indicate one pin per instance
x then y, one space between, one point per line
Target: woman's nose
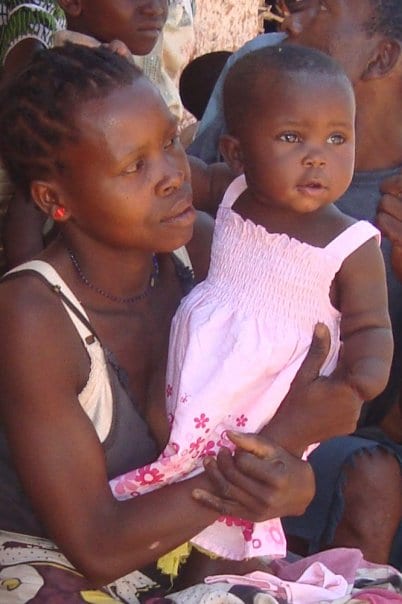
171 181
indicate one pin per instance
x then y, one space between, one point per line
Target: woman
85 334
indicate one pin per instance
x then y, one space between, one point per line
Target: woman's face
127 179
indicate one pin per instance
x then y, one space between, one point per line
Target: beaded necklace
109 296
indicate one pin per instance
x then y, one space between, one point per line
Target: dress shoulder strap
352 238
70 302
233 192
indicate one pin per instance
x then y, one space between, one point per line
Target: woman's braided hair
37 108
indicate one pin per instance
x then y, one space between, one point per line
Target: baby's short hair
265 66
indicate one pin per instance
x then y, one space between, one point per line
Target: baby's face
137 23
299 145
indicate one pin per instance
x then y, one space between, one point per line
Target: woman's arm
58 456
61 462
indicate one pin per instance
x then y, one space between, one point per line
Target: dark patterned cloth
19 20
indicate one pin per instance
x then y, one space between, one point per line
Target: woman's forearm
122 536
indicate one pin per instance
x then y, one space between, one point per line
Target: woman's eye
336 139
290 137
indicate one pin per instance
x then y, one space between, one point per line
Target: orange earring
59 213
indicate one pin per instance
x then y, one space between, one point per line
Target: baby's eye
135 166
336 139
290 137
172 141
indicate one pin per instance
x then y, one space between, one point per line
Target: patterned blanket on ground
340 576
34 571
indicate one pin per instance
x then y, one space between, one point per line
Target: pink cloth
343 561
316 584
236 343
377 596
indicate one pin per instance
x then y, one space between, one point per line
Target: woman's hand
389 218
258 482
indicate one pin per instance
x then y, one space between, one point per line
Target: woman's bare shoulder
36 331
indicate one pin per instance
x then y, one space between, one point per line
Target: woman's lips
186 216
181 211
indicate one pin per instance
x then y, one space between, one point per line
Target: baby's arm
209 184
365 324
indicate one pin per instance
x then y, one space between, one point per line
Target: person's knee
372 504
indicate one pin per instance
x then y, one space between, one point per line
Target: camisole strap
182 254
70 302
352 238
233 192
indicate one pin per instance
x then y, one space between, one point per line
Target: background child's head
290 113
137 23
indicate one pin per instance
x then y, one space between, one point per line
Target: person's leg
372 505
357 501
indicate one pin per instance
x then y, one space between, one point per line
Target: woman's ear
230 148
46 197
384 59
72 8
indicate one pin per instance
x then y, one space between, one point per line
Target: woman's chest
138 341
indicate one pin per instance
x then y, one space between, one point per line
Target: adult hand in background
117 46
389 218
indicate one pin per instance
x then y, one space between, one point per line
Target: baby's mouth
313 187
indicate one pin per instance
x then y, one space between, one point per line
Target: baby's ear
230 148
